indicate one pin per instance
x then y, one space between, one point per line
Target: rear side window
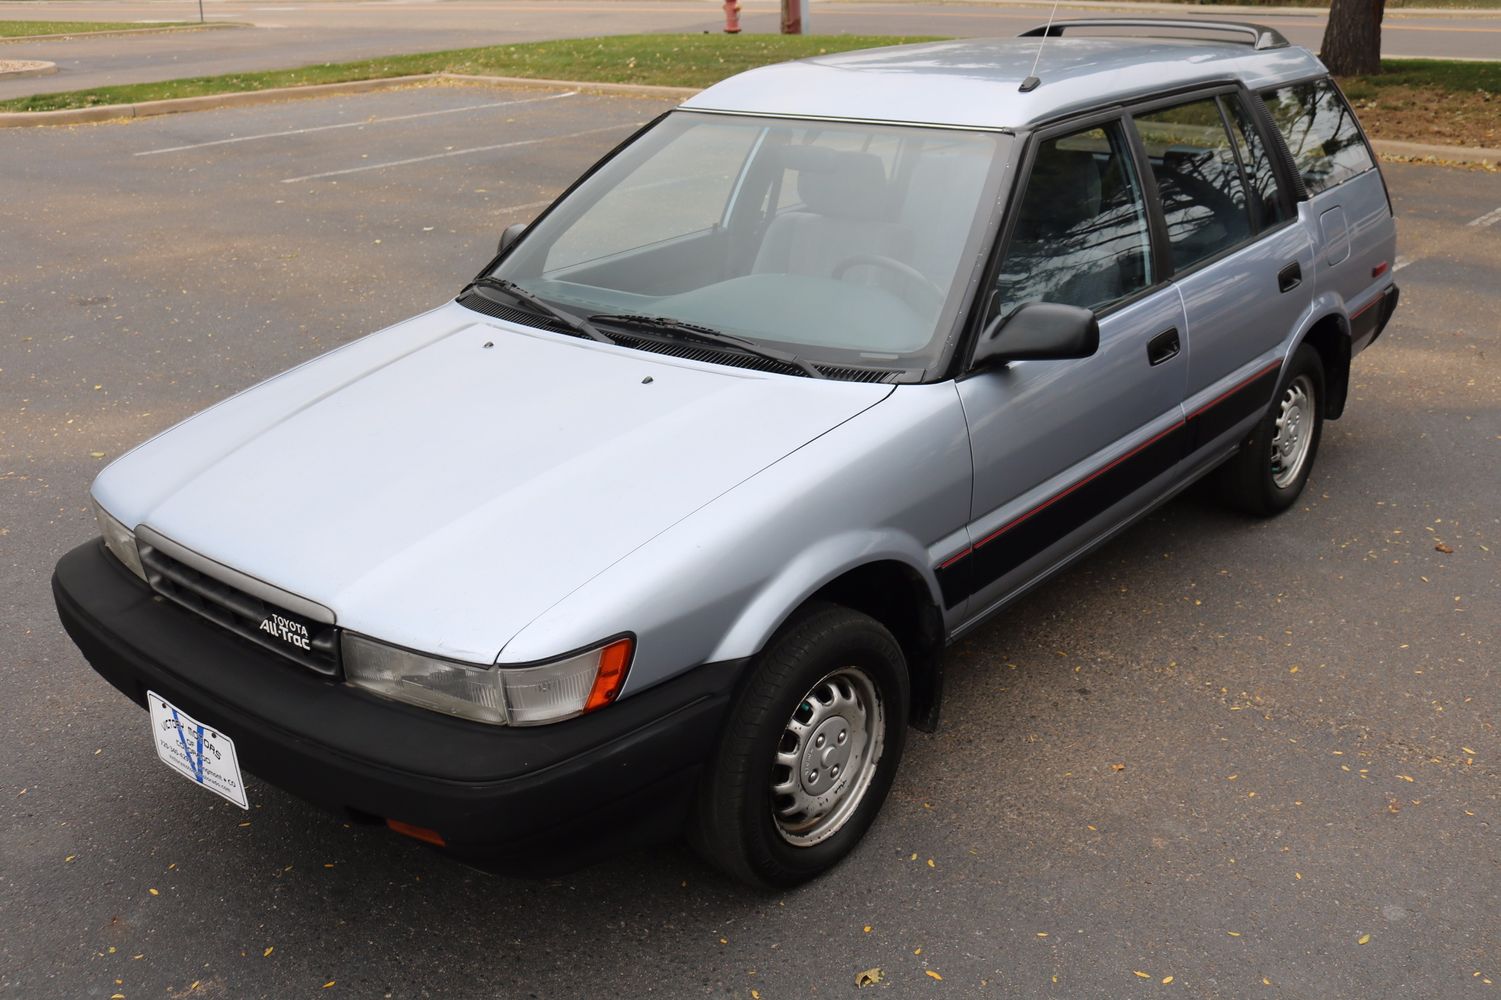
1198 179
1266 197
1081 235
1321 133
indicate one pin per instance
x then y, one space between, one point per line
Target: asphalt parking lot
1213 759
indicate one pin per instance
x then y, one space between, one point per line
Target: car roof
974 83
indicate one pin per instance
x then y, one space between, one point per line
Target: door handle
1163 347
1289 277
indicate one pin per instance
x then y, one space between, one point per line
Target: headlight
516 696
119 539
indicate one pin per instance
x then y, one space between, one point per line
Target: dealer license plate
196 751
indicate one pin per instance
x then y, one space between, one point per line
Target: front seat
847 210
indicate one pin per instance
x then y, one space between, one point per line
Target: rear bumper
1368 324
543 798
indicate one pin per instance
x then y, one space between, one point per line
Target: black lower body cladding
536 799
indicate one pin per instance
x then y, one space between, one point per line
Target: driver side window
1081 235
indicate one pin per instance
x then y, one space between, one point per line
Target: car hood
442 483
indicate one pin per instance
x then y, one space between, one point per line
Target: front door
1064 449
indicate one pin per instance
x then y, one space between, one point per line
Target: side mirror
1038 331
509 235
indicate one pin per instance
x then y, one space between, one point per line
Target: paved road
1219 750
301 34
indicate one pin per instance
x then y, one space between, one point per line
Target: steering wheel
926 284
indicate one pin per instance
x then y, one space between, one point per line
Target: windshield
837 242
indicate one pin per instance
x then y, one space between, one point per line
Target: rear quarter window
1321 133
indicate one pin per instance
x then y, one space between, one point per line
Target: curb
34 67
583 86
245 98
207 102
147 30
1426 151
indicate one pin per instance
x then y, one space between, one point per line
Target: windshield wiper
705 335
575 323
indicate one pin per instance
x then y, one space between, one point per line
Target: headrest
1064 190
833 182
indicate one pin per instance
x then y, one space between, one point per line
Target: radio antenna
1031 82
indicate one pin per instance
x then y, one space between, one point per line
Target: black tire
735 826
1249 480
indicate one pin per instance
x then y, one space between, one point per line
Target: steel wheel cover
1294 431
827 756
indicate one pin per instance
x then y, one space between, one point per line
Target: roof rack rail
1261 37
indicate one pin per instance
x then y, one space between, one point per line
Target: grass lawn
20 29
1430 100
671 60
1418 100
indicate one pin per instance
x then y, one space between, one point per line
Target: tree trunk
1352 40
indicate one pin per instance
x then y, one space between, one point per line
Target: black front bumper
541 798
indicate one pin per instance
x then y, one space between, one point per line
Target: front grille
244 614
673 348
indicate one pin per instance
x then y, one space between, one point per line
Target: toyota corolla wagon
662 525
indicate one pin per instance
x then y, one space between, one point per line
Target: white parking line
458 152
1488 219
1400 264
368 121
521 208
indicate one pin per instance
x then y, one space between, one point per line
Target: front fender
810 571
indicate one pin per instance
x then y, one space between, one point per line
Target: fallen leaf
268 951
1364 939
931 864
1042 933
1166 980
1404 777
153 892
1265 981
869 977
1139 974
1233 933
328 985
96 454
933 975
867 928
1441 547
1117 767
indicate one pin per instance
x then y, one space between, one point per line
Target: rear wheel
1269 472
809 753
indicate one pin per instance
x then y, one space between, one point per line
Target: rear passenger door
1064 450
1242 264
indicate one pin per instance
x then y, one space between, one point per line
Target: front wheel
809 752
1266 476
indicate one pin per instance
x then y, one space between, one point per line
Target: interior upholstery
846 211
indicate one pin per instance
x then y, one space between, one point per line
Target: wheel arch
889 586
1329 335
897 596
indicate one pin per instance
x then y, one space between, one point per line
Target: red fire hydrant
731 17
